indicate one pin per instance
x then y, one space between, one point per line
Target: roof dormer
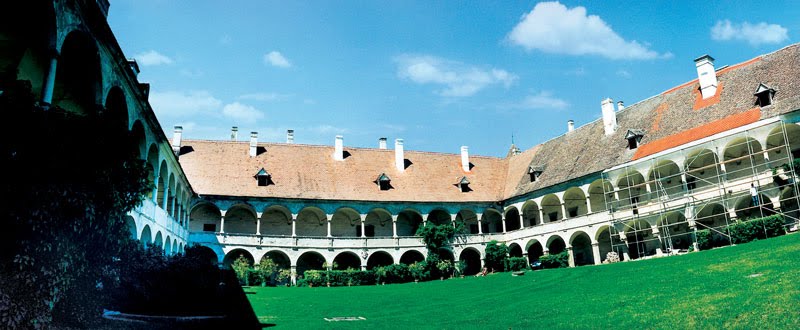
463 184
634 136
764 95
384 182
535 171
264 178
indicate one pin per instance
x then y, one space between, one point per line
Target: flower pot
329 284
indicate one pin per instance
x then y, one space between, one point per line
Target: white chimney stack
338 151
382 143
706 75
570 125
253 144
234 133
465 158
290 136
399 158
609 117
620 105
176 139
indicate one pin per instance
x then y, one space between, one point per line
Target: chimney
399 158
706 75
609 117
134 67
382 143
570 125
620 105
253 144
176 139
234 133
465 158
290 136
338 151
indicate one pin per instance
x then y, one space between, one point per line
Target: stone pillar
657 234
328 223
571 256
541 216
156 180
222 222
50 79
294 225
294 274
166 197
545 251
588 205
563 211
624 240
596 253
363 226
258 223
480 227
504 225
394 226
521 222
684 183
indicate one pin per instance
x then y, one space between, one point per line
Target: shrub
761 228
704 239
241 266
496 253
398 273
420 271
560 260
348 277
445 268
515 264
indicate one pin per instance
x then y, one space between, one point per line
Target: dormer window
634 136
264 178
383 182
535 171
764 95
463 184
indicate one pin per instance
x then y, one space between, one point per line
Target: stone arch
276 220
78 84
379 259
469 219
446 254
640 238
601 193
240 219
530 213
555 244
608 242
408 221
312 221
472 260
207 253
116 109
741 155
674 232
152 165
139 139
411 256
535 250
280 258
171 196
551 207
175 247
512 218
310 260
163 185
581 249
439 217
378 223
492 221
29 32
776 144
632 190
789 203
702 169
146 237
575 202
346 260
746 209
235 254
667 175
514 250
204 216
158 241
168 246
130 224
346 222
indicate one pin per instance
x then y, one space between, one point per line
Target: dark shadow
471 165
345 154
463 187
260 150
185 150
406 163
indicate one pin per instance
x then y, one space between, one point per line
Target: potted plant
417 270
461 266
445 267
380 275
284 275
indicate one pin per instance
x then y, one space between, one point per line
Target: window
634 136
535 171
210 227
764 95
383 182
369 231
264 178
553 216
573 212
463 184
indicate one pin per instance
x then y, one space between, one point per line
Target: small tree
419 270
241 267
496 254
445 267
266 269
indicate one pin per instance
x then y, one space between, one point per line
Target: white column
480 227
563 210
571 256
521 222
504 225
394 226
657 235
541 216
50 79
166 197
328 223
588 205
294 225
363 227
596 253
222 222
258 223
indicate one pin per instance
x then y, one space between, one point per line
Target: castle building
639 181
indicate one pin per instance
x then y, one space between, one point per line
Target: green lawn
710 289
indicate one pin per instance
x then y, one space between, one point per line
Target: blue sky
437 74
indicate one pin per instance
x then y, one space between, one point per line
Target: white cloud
623 73
553 28
542 100
263 96
754 34
192 73
178 104
242 112
275 58
152 57
458 79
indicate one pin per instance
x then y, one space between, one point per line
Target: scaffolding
661 212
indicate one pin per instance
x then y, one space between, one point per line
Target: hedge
560 260
515 264
350 277
761 228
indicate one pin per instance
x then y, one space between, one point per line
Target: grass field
716 289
